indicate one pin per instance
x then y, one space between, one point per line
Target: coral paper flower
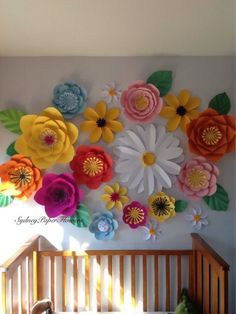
148 158
69 99
198 178
111 93
161 206
198 218
180 110
101 122
59 195
91 166
103 226
116 196
135 215
141 102
152 231
24 178
47 139
212 135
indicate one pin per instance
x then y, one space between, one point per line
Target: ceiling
117 27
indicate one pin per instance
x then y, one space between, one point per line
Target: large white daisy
148 158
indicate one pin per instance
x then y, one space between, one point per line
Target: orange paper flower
212 135
21 172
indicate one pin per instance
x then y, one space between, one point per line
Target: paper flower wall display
103 226
47 139
161 206
115 196
198 218
69 99
101 122
91 166
59 195
111 93
135 215
180 110
19 178
152 230
151 156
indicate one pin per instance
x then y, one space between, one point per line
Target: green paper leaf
218 201
220 103
10 118
162 80
11 149
81 218
180 206
5 200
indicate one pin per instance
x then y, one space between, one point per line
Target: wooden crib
114 280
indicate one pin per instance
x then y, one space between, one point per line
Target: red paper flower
91 166
135 215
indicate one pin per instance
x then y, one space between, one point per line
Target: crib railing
114 280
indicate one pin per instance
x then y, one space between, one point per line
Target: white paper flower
198 218
148 158
111 93
152 231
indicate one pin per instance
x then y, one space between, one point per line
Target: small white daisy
152 231
198 218
111 93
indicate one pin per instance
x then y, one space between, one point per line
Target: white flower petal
169 166
170 153
137 141
162 176
140 187
198 225
122 166
137 179
161 132
170 140
152 137
149 180
204 222
128 151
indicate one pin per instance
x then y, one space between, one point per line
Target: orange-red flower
21 172
212 135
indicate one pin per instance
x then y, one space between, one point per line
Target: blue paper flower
103 226
69 99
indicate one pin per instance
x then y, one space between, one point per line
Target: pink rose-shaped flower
59 194
141 101
198 178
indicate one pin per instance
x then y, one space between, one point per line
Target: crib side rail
210 278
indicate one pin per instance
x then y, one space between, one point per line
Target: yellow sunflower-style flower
115 197
101 122
161 206
180 110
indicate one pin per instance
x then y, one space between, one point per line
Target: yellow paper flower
47 138
116 196
161 206
101 122
7 188
180 110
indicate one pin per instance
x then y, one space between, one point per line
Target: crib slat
110 283
121 280
223 292
144 283
156 302
4 292
199 279
52 278
179 276
133 279
167 283
214 292
63 269
190 271
20 287
87 282
98 283
28 273
75 275
206 293
35 275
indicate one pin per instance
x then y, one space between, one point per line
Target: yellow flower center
134 213
197 179
148 159
197 218
92 166
48 137
112 92
21 176
211 135
141 102
152 231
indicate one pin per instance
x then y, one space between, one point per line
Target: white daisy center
197 218
112 92
148 159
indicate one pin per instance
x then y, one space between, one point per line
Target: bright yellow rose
47 138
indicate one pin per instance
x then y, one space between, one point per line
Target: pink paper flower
141 102
198 178
135 215
59 194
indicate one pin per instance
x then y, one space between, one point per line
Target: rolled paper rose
59 195
212 135
91 166
198 178
141 102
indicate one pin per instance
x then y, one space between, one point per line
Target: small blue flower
69 99
103 226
